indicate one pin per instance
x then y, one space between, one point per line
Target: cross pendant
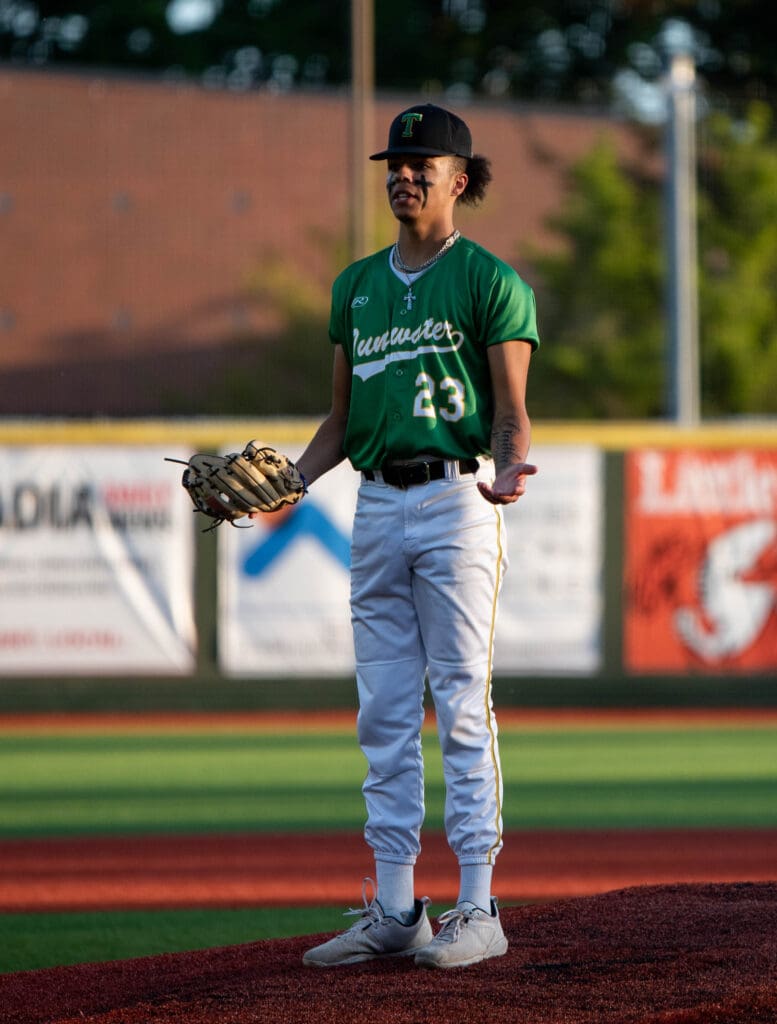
409 299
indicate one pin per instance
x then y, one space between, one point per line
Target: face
420 186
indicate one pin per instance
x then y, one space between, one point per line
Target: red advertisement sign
701 561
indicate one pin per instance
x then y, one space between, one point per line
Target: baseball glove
228 487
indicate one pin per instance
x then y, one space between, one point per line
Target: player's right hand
509 484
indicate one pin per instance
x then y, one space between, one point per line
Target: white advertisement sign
551 607
284 586
284 583
96 562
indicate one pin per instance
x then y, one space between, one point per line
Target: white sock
475 885
396 889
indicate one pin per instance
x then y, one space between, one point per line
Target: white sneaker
467 936
374 935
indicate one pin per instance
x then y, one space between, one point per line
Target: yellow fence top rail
212 433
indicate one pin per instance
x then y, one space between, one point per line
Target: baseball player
432 339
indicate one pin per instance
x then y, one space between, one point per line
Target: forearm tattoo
506 447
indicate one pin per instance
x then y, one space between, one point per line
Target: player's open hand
509 484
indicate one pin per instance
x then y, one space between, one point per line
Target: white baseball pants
426 569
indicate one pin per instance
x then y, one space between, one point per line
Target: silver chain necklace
400 264
403 268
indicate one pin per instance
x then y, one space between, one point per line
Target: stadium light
683 404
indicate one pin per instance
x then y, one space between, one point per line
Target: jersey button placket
393 399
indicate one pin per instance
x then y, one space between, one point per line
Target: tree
602 295
738 256
600 298
559 50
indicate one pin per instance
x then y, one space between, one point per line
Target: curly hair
478 170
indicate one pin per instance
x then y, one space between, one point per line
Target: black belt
413 473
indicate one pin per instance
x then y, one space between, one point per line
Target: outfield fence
643 570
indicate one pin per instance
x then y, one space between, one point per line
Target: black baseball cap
427 130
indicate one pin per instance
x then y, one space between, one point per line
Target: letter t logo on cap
409 121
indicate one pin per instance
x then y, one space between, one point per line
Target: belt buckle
412 474
424 471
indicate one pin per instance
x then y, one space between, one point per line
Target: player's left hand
226 488
509 484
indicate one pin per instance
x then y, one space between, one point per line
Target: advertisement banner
701 561
96 562
550 613
287 578
284 586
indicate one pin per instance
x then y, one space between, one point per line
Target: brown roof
134 216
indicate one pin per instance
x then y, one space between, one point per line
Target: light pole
362 119
682 278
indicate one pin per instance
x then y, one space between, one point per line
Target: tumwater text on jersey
429 330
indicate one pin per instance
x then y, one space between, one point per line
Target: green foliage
599 300
561 49
738 273
601 295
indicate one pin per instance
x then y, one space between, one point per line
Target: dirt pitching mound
684 954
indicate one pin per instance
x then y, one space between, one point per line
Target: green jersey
418 352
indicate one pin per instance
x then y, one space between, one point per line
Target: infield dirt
681 954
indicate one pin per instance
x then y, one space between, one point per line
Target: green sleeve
510 311
336 323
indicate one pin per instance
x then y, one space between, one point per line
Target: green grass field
221 779
60 783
